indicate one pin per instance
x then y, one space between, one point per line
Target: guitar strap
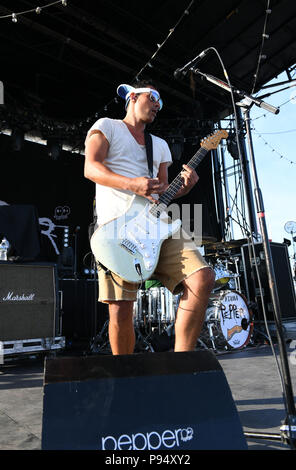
93 226
149 151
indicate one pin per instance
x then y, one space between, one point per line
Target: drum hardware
209 325
100 344
201 344
224 276
162 341
237 277
143 343
221 256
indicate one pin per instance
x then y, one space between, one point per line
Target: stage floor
252 375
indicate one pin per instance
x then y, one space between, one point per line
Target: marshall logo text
18 298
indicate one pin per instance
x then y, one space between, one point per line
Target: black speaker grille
28 304
283 279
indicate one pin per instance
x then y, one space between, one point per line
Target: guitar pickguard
142 234
130 245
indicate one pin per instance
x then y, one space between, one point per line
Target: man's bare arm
96 151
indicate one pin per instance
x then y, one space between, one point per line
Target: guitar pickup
129 246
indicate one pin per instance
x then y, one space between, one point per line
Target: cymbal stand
211 335
237 278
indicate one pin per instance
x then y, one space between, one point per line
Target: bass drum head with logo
229 320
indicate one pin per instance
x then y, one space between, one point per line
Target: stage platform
251 373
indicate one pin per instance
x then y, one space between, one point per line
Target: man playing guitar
116 161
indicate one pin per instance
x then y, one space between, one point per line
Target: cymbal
227 245
207 240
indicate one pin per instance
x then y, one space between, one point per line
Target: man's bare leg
121 327
192 307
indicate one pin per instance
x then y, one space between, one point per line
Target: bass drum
228 322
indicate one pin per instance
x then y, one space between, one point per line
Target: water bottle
4 246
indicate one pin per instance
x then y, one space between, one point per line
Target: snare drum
155 306
229 320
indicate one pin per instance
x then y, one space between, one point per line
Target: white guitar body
129 245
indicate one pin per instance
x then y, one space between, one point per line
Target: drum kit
228 323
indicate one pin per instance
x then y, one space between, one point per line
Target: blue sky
274 141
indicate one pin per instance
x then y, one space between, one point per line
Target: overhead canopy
65 63
61 68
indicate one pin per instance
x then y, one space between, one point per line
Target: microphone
183 70
267 106
180 73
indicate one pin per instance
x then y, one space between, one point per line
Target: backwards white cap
124 90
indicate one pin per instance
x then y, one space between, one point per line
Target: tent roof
66 62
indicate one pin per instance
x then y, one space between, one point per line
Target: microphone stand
288 431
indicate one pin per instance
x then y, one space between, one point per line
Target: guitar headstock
212 141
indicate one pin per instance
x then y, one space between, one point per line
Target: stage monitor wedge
148 402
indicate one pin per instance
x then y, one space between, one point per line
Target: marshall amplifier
28 301
283 279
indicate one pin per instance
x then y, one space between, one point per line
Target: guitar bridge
129 246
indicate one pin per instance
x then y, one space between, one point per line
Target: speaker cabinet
283 279
28 301
83 315
152 401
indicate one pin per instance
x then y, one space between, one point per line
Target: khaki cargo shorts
179 258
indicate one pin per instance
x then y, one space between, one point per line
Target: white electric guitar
129 245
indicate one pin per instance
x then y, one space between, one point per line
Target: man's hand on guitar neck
190 178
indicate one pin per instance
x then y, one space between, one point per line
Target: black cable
121 287
264 36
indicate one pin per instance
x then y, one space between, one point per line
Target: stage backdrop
64 198
202 194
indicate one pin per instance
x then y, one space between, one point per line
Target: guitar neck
166 198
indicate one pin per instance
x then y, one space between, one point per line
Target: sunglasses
154 96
